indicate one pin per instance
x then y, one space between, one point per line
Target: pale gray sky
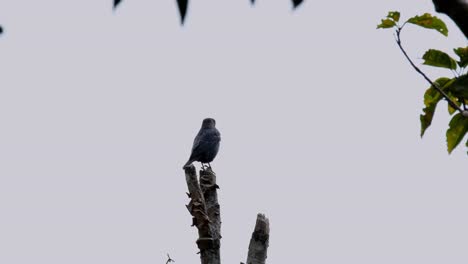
318 110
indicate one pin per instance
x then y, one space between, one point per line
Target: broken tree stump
258 246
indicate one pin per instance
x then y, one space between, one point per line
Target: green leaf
458 127
463 54
431 22
426 118
387 23
431 99
439 58
432 95
452 110
459 87
395 15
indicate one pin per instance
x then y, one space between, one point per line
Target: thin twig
449 100
169 260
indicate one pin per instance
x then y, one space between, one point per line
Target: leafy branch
453 90
436 86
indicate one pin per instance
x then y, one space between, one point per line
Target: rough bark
457 10
259 242
204 208
208 187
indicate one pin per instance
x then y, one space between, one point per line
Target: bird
206 144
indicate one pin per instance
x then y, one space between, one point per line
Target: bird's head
208 123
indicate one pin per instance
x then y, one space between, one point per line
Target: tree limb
259 242
201 209
209 189
457 10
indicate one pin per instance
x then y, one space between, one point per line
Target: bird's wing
204 138
196 141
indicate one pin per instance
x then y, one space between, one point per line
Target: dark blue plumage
206 143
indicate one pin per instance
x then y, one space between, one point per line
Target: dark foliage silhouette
182 4
183 7
116 3
295 3
457 10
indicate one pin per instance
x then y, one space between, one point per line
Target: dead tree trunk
205 210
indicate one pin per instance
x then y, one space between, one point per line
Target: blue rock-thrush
206 143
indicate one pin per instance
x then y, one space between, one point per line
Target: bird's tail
188 163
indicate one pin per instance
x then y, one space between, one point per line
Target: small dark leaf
463 54
116 3
459 87
466 145
439 58
297 3
395 15
426 118
431 99
431 22
386 23
182 4
458 127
